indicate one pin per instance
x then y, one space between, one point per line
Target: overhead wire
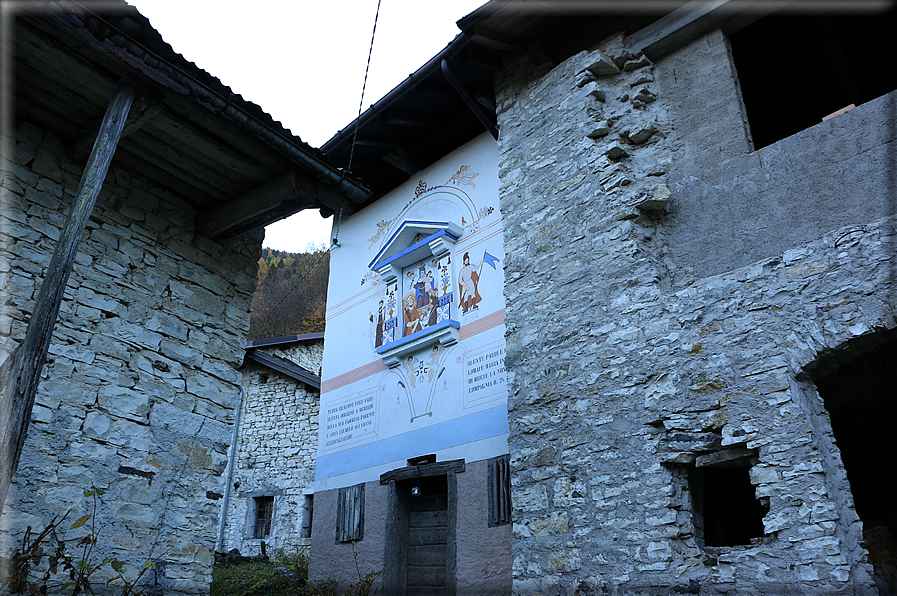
363 87
335 239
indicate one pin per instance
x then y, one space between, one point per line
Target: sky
303 62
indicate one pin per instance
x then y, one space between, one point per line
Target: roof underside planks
425 118
66 66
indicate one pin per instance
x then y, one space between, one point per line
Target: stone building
140 386
699 254
270 491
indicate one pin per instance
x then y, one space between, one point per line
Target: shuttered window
499 489
350 514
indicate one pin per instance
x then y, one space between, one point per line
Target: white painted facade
443 396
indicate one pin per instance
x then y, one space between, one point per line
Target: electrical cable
335 239
363 87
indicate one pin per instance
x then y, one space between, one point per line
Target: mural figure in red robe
468 280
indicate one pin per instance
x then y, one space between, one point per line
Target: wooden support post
20 373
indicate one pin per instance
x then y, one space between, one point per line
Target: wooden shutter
499 489
350 514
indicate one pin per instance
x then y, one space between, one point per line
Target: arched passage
858 384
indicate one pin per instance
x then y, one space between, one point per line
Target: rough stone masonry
139 390
667 288
276 449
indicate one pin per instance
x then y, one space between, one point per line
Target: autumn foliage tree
291 296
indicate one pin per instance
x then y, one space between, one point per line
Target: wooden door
427 538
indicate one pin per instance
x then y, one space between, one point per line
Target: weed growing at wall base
44 563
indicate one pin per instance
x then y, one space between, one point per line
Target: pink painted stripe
467 330
352 376
480 325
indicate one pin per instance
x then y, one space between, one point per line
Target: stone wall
139 390
630 352
276 451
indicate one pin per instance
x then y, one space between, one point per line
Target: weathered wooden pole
20 373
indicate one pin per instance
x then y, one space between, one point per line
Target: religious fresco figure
421 291
463 177
469 281
382 226
411 315
433 307
378 326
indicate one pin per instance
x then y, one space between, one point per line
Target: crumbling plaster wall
139 390
629 354
276 450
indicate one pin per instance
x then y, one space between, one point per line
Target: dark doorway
859 387
427 535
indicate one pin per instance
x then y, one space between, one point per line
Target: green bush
263 579
254 579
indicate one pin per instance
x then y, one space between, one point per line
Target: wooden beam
280 198
410 119
381 143
691 21
486 119
276 200
401 160
20 373
143 110
455 466
482 36
428 87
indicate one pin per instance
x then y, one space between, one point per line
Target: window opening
499 490
350 514
858 385
263 514
727 513
795 70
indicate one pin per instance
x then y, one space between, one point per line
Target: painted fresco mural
414 346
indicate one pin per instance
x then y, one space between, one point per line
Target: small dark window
350 514
262 516
499 491
794 70
726 511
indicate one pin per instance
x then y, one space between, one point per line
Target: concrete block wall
621 340
139 390
276 450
